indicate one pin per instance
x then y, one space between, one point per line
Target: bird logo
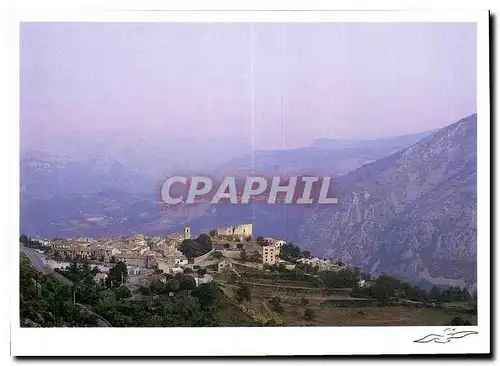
447 336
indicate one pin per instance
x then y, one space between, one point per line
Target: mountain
412 213
387 144
323 157
103 187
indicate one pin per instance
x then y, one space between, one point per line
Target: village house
207 278
133 259
269 254
278 243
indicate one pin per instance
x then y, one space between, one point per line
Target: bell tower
187 232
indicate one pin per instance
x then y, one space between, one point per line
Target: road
38 263
36 260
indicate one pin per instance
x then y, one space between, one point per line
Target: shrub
459 321
217 254
243 293
309 314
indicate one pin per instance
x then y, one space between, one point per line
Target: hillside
412 213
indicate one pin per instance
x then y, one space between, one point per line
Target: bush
459 321
243 293
122 292
276 305
217 254
309 314
304 301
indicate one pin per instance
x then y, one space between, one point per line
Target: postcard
253 183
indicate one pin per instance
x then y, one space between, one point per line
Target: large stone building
240 231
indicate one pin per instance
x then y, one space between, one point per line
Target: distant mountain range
407 204
323 157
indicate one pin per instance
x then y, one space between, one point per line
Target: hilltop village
224 277
148 257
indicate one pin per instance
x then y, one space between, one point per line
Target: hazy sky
282 85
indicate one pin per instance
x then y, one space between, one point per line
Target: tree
309 314
213 233
189 248
218 254
23 239
260 241
435 293
156 286
276 304
466 295
243 293
188 270
239 246
459 321
118 273
207 294
122 292
243 256
186 282
158 271
304 301
205 242
172 285
202 272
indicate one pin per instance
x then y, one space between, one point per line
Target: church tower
187 232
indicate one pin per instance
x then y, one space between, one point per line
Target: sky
269 86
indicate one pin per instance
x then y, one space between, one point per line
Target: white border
252 341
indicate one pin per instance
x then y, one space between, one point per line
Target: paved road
36 260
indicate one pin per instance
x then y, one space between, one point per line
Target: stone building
269 254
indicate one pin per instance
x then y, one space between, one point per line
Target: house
180 261
207 278
269 254
165 266
133 259
278 243
176 270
